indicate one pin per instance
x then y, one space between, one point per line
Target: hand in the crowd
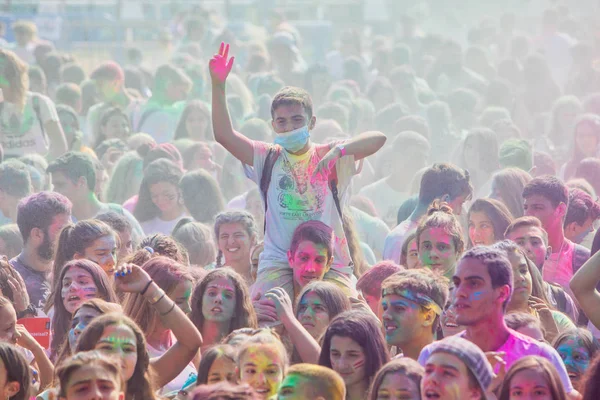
496 359
24 338
327 163
220 66
20 296
130 278
265 309
546 317
283 303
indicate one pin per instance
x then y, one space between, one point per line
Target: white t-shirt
516 347
392 249
157 225
295 196
386 200
371 230
20 132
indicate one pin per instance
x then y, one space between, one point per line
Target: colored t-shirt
516 347
559 268
21 132
295 196
37 282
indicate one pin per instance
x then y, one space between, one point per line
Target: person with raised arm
310 179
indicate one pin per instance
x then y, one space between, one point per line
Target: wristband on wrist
143 292
159 295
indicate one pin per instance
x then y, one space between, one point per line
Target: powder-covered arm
583 284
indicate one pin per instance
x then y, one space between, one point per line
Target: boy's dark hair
581 208
290 95
68 93
108 71
38 211
549 187
72 73
316 232
116 221
74 165
441 179
14 178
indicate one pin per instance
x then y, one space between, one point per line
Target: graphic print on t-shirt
299 195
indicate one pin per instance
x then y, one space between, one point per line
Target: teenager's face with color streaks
529 384
347 359
313 314
310 262
77 287
91 382
473 294
521 279
397 386
575 356
218 300
262 368
102 251
120 341
402 320
181 295
80 321
446 377
437 251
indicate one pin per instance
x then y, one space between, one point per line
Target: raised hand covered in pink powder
220 66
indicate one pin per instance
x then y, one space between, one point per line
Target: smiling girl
488 220
221 304
532 376
440 239
577 347
160 204
79 281
354 347
262 363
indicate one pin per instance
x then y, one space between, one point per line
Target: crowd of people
415 216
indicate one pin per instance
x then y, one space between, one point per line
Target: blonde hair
14 71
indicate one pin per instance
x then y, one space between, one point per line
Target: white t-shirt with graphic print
295 196
20 132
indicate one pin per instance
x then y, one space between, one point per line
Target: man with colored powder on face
483 284
412 304
528 234
74 176
309 381
445 182
547 198
300 186
40 217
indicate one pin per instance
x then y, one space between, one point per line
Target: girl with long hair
221 304
175 282
577 348
15 374
532 376
217 365
126 178
114 124
400 379
79 281
586 140
488 220
27 120
354 347
160 204
440 239
202 196
507 187
195 123
319 303
236 233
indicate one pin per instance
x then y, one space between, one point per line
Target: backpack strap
265 179
333 181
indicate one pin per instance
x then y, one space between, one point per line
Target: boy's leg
272 274
342 277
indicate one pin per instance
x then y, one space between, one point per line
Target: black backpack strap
267 172
333 181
